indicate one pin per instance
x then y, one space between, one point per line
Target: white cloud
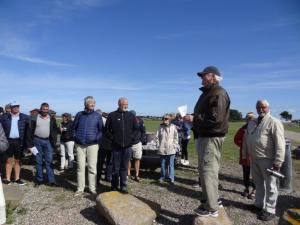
36 60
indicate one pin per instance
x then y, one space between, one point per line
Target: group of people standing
117 138
120 135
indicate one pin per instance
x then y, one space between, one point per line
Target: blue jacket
88 127
23 124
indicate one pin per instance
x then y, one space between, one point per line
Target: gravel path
48 205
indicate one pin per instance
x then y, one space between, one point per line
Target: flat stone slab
13 195
124 209
222 219
291 217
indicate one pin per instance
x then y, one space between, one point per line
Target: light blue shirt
14 130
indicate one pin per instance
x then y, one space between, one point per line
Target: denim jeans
45 153
167 167
120 160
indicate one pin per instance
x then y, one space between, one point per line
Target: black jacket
121 128
67 134
31 130
141 132
211 113
23 124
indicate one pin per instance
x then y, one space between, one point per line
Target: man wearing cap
210 124
14 125
43 135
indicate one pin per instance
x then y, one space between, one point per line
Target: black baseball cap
209 69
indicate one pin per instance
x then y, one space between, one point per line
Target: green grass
292 127
9 214
230 151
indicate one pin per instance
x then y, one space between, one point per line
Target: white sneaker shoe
182 161
187 162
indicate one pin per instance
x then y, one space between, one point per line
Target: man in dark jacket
121 129
43 135
14 125
88 127
210 124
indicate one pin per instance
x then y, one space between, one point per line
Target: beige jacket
265 140
167 139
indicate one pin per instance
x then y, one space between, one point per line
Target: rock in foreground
124 209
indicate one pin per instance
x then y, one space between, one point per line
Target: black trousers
120 160
184 151
246 177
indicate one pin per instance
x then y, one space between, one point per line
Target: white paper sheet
182 110
34 150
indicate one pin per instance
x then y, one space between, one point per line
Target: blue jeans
45 153
167 167
120 160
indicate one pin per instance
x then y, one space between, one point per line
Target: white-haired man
265 144
210 124
121 128
88 128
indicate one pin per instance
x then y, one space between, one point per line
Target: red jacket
238 140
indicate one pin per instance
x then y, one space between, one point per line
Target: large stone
124 209
222 219
13 195
291 217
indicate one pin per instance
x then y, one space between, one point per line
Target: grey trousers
209 154
266 186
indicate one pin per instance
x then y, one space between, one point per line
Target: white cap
14 103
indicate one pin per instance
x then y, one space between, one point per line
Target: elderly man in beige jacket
265 145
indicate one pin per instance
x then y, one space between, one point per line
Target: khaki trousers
89 154
209 154
266 185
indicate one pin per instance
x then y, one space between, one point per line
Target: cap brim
200 74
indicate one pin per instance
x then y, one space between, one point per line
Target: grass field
230 151
292 127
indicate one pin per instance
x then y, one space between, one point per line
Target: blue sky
59 51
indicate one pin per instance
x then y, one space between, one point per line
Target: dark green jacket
211 112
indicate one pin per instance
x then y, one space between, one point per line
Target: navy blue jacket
88 127
23 124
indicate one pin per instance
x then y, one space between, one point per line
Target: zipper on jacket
123 132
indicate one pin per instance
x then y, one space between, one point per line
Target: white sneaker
78 193
187 162
182 161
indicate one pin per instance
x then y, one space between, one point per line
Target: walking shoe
53 184
245 193
124 190
93 192
186 162
5 181
78 193
220 203
19 182
137 179
182 161
113 189
196 185
38 183
200 211
266 216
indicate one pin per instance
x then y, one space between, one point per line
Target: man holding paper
210 124
41 139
